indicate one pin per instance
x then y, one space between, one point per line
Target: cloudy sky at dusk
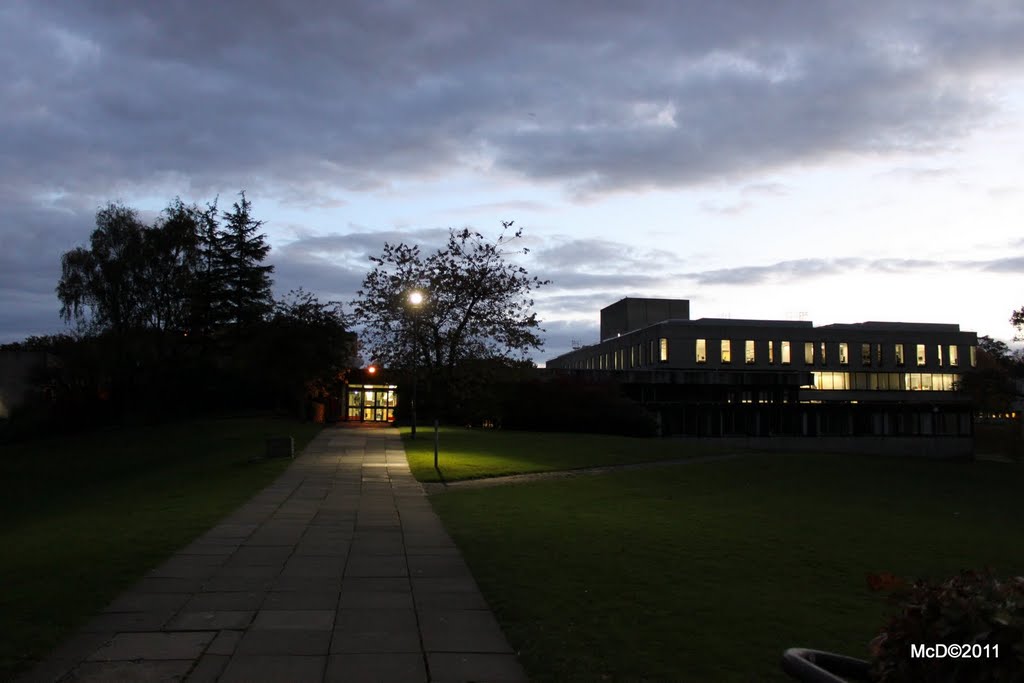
833 161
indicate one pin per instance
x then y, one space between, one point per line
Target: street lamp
415 300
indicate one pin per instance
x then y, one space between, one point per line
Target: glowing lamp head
372 369
416 298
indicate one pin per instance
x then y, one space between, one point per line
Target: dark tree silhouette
238 250
476 306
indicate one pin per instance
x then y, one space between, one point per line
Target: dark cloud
803 269
315 99
32 240
1013 264
562 336
311 102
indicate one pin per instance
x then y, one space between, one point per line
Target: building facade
719 377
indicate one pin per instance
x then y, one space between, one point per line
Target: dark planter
815 666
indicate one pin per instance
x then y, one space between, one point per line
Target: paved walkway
338 571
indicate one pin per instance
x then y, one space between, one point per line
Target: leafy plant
974 614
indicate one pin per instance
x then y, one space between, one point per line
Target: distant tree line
178 317
992 385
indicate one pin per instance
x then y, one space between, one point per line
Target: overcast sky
829 161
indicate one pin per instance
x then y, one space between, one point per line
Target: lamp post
415 300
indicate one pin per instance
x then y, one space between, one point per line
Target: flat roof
883 326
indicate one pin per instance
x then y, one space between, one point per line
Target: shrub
974 609
573 406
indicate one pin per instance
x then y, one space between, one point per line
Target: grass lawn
474 453
83 517
709 571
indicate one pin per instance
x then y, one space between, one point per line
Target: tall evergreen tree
208 296
240 249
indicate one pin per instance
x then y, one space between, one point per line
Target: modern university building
893 382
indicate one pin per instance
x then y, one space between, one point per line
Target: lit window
921 359
771 353
726 351
809 353
663 350
878 355
844 353
748 352
785 353
650 351
702 350
823 358
974 356
938 350
632 356
615 360
899 355
954 358
865 354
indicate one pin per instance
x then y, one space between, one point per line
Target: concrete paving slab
208 669
274 669
300 600
322 549
376 630
309 619
392 667
249 571
378 543
366 566
376 600
435 566
462 631
253 555
244 584
374 584
323 584
133 646
464 667
225 643
211 621
285 642
444 584
442 601
137 672
315 566
224 601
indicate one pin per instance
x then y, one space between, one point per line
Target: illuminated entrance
371 402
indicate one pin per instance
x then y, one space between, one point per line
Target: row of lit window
869 354
637 355
656 351
885 381
372 398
